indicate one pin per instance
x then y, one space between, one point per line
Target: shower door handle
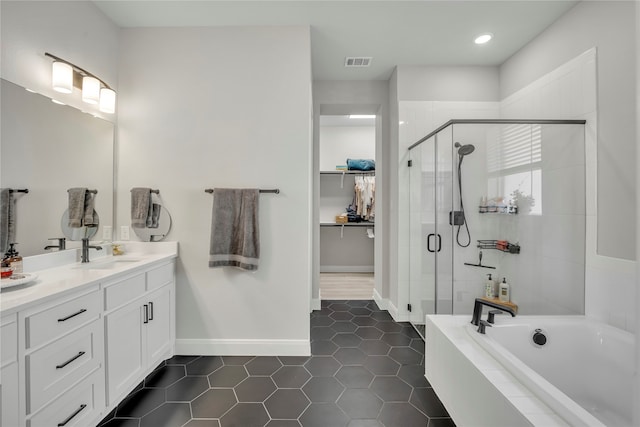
429 236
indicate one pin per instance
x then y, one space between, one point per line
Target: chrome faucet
85 250
477 313
61 244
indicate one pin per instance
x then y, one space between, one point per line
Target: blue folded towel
361 164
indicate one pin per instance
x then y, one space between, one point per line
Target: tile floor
365 370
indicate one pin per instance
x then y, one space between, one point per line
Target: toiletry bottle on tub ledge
488 287
503 293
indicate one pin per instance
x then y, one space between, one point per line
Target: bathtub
581 376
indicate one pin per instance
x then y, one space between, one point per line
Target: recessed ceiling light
483 38
362 116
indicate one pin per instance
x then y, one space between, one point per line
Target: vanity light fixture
66 75
483 38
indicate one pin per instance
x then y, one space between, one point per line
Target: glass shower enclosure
504 198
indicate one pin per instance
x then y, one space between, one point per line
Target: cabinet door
159 326
125 351
10 383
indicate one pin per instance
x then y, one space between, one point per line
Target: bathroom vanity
81 336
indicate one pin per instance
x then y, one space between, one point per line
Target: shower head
463 150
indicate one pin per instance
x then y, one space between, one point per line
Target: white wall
338 143
356 97
73 30
608 26
195 113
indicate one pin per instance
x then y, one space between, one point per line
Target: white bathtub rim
561 404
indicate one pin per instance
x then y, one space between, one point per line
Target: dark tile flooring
365 370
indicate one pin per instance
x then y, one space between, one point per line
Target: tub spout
477 309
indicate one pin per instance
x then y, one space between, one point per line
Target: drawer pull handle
70 417
72 315
150 310
70 360
146 313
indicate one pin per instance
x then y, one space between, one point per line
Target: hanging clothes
365 190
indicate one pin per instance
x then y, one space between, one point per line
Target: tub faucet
85 250
477 309
61 244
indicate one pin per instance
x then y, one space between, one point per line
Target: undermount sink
106 264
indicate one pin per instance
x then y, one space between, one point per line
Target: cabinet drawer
9 340
159 276
62 318
79 407
54 368
124 291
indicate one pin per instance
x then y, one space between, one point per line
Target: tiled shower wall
569 92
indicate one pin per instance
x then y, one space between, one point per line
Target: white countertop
59 273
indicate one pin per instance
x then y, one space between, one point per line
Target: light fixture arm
77 69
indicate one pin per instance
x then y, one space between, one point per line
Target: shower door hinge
409 307
410 163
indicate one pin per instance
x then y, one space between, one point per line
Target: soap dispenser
488 287
503 294
14 259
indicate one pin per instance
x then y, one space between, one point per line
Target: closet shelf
348 224
348 172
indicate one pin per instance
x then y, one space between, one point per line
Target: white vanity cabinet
140 327
76 343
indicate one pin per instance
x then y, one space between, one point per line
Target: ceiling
393 32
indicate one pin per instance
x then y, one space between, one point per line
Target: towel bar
152 191
90 191
275 190
24 190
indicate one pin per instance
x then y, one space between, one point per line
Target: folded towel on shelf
140 207
7 219
235 233
77 198
361 164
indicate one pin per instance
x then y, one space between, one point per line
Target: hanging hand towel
90 218
76 206
140 206
7 219
235 234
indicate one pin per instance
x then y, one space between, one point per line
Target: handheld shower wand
463 150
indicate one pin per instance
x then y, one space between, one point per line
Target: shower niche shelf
498 210
499 245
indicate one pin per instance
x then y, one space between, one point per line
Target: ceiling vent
357 61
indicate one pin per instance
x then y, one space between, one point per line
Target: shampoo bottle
503 294
488 287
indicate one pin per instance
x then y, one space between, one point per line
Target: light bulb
90 90
107 100
62 77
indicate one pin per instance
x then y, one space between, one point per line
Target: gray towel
89 217
235 234
140 207
7 219
77 198
155 215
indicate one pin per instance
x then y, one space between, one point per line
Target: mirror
155 234
49 148
78 233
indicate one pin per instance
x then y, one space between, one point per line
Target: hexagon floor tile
365 371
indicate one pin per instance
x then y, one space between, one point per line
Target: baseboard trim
397 316
346 269
383 303
315 304
238 347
